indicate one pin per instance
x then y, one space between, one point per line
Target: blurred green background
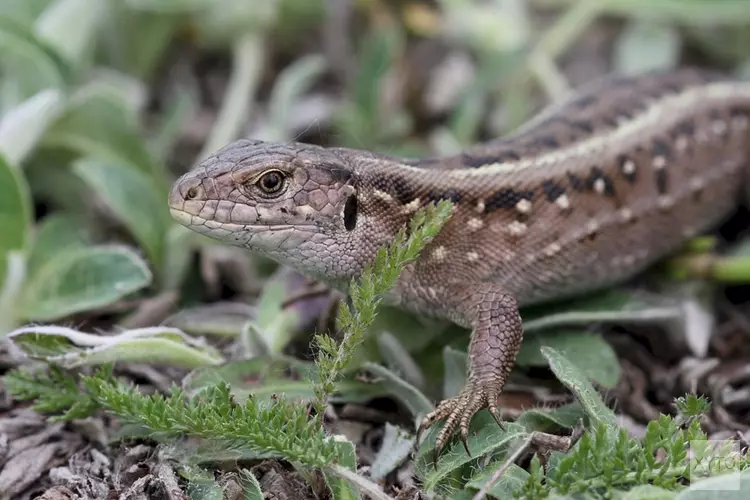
105 102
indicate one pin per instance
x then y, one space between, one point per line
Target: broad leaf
575 380
509 483
33 65
70 348
646 46
488 439
395 448
411 397
588 351
131 196
23 126
83 279
55 235
74 45
15 213
341 489
99 124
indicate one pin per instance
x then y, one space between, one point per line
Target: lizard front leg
496 337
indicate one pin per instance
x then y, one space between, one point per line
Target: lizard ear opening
350 213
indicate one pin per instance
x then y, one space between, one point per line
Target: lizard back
591 191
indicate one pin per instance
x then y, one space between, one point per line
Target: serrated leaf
266 377
71 348
118 185
588 351
83 279
574 379
24 125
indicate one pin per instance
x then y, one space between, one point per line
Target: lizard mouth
196 223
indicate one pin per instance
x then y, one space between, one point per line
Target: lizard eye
271 181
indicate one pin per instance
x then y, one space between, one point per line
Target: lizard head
294 203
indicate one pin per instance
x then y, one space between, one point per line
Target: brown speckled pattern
588 193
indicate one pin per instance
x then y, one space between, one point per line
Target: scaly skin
587 194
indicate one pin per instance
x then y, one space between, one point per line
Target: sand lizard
586 194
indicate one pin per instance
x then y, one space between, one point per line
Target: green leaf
564 417
646 46
416 402
341 489
15 224
181 107
274 324
55 235
142 56
731 486
83 279
204 490
23 126
395 448
250 485
15 213
173 6
118 186
225 319
179 245
588 351
454 363
99 124
509 484
648 492
574 379
398 360
71 348
291 83
34 66
53 26
488 439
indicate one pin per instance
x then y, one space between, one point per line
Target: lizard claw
458 412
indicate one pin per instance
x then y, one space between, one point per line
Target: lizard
589 192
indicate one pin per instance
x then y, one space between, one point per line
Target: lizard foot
459 410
